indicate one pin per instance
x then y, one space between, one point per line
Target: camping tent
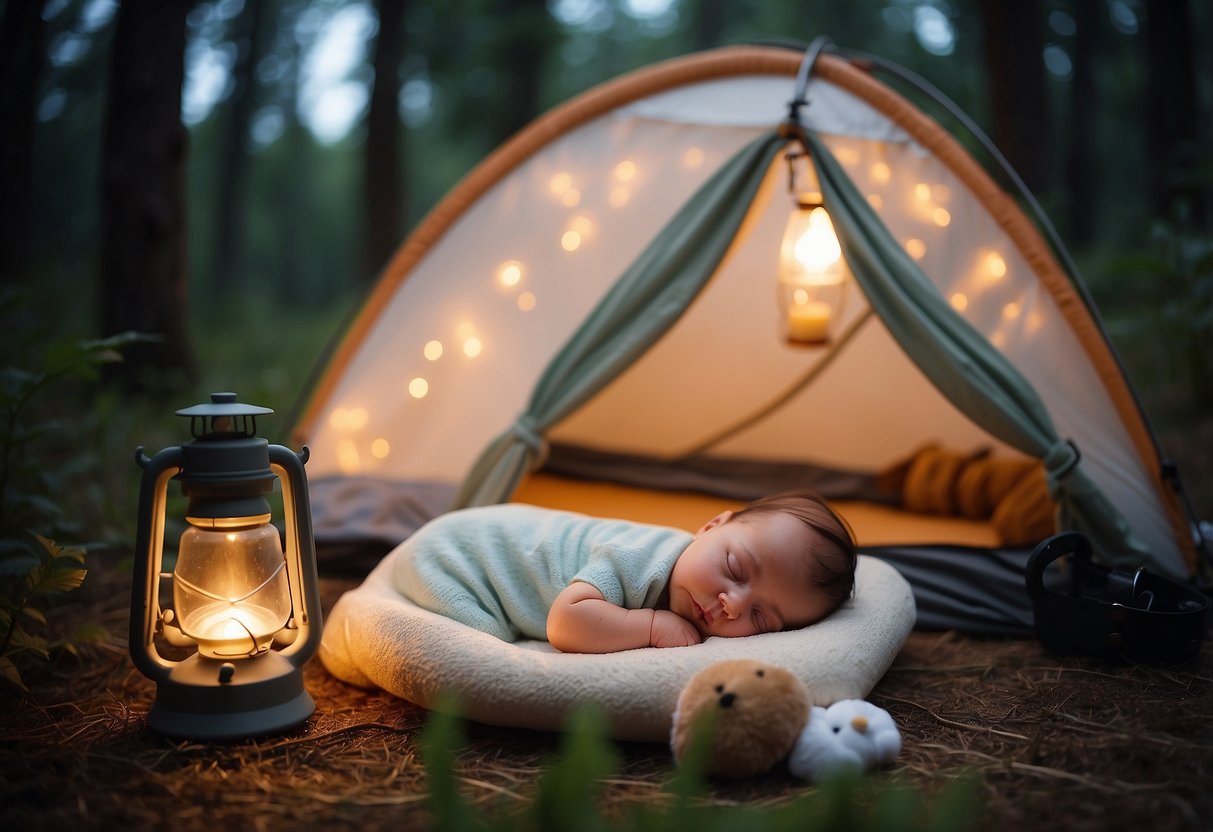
543 313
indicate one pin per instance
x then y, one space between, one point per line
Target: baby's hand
672 630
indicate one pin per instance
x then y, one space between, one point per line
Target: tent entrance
658 287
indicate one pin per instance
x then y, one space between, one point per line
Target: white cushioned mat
374 637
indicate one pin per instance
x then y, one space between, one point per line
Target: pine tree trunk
249 36
383 188
143 278
21 62
528 34
1084 98
1013 38
1172 109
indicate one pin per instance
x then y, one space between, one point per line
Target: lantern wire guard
235 685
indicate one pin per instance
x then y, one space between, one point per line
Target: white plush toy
849 736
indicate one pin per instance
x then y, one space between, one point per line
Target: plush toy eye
760 673
837 729
720 688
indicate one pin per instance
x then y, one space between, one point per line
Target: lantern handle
300 552
149 552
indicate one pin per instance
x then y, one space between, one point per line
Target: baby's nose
733 602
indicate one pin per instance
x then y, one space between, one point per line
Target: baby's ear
723 517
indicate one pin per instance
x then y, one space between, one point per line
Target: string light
560 183
996 267
339 419
509 273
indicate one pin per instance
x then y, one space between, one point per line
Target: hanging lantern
249 610
813 274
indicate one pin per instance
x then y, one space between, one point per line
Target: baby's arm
581 620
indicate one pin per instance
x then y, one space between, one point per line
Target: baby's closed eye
736 570
759 621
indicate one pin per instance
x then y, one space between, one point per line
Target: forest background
232 176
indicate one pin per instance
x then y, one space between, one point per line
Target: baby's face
749 575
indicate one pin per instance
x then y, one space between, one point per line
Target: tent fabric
654 291
722 361
961 362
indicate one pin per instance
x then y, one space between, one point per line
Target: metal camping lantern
249 608
813 274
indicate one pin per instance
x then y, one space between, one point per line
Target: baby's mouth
707 617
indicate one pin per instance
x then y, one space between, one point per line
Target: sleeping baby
590 585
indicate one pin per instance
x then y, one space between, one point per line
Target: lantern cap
224 404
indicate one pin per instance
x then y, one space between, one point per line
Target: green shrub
568 795
35 571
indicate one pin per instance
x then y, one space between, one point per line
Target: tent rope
805 379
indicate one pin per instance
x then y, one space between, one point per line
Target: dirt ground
1052 743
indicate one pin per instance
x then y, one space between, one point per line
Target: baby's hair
835 569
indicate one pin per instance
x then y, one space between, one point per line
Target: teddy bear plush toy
760 715
755 712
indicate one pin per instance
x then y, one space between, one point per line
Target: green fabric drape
647 299
962 363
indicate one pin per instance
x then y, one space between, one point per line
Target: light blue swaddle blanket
499 568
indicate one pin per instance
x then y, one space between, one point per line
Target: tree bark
384 190
1084 98
1172 109
21 61
291 190
1013 40
528 34
248 34
143 278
